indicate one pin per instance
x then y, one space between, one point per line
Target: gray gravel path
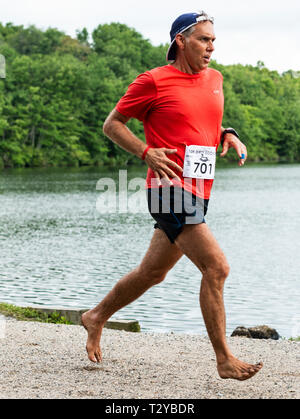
40 360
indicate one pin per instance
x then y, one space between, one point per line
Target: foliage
28 313
59 90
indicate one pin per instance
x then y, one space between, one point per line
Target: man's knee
224 269
156 276
152 275
217 272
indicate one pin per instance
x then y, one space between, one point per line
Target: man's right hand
157 160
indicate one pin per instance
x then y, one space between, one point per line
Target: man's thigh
199 244
161 255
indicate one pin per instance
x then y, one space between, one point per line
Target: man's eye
206 39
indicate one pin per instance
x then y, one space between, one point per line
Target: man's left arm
230 139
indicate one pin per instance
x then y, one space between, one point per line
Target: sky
247 31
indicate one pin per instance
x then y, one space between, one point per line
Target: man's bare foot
94 330
238 370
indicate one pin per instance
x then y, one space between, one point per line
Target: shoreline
46 360
71 315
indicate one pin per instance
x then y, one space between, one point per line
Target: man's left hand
230 141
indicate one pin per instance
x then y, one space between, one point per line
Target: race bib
199 162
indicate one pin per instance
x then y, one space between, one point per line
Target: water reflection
57 250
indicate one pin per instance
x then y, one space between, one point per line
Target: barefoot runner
181 106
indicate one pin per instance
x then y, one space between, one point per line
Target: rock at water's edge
257 332
241 331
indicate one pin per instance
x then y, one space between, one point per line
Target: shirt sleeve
139 97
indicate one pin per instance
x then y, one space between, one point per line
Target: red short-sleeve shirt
177 109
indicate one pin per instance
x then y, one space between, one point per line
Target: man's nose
211 46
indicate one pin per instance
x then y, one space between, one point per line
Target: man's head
192 37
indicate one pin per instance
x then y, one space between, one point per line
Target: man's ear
180 40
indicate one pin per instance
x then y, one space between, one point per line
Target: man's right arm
156 158
115 128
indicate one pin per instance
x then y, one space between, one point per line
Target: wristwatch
228 131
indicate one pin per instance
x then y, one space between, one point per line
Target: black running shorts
173 207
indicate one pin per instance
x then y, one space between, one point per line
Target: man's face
198 47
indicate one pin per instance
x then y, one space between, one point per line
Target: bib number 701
203 168
199 162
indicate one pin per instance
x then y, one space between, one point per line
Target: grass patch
30 314
295 339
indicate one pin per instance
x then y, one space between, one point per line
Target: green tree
59 91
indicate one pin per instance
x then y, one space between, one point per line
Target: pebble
39 360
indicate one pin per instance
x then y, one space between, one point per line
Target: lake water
58 250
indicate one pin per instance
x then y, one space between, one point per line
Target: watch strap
228 131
